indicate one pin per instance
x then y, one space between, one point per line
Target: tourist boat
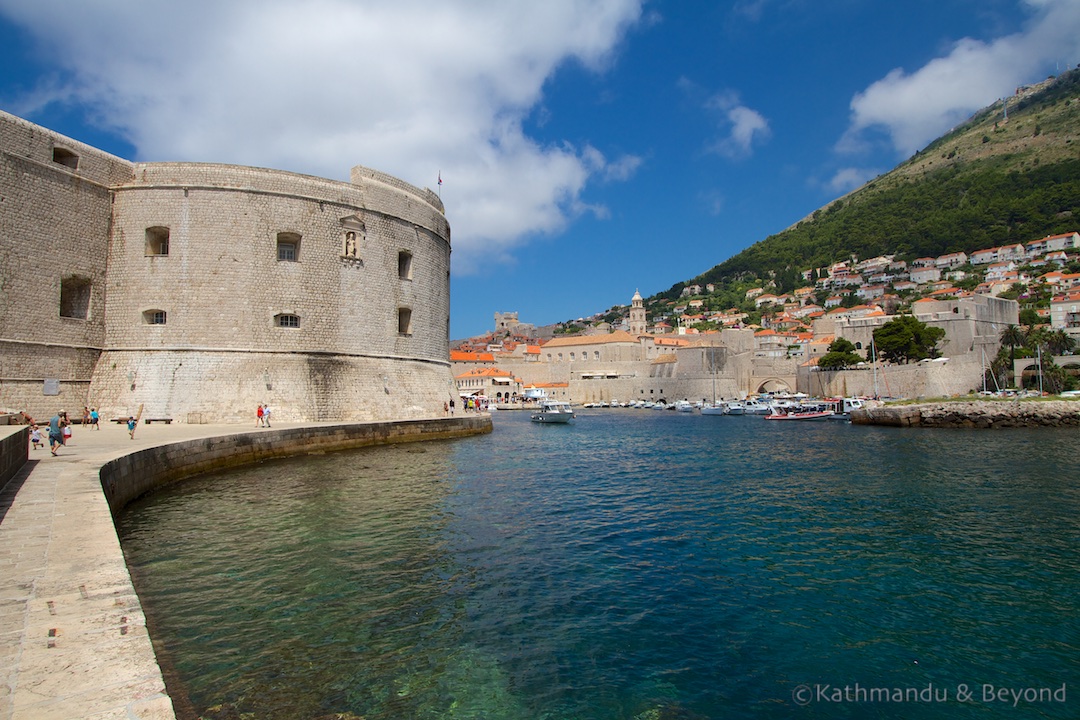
776 413
553 411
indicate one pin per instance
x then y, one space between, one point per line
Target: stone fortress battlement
198 290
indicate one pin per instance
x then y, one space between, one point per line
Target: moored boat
553 411
798 414
842 407
755 407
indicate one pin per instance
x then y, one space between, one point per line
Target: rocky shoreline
973 414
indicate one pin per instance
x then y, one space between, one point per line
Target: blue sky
587 148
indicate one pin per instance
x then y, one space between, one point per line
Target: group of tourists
262 416
59 432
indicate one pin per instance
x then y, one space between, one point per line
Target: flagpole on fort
440 184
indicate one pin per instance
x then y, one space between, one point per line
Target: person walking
35 437
259 416
266 414
94 418
131 426
56 435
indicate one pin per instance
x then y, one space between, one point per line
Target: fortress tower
200 290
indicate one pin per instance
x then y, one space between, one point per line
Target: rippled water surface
635 565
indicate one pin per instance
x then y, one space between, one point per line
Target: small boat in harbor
684 406
842 407
777 413
553 411
753 406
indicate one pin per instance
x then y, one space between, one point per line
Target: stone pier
73 638
974 414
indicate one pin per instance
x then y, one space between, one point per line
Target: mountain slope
988 182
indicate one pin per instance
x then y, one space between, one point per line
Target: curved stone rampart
14 451
973 414
131 476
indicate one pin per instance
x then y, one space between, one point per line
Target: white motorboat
842 408
734 408
684 406
777 413
714 409
754 407
553 411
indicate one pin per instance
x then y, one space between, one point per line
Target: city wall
936 378
131 476
54 232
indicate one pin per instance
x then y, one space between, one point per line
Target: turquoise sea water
636 565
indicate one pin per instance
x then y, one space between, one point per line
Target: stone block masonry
131 476
974 414
14 450
199 290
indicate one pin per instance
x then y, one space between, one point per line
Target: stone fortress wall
211 288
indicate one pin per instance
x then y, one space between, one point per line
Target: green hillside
988 182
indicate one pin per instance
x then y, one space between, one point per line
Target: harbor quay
973 414
73 636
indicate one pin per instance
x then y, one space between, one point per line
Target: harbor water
632 565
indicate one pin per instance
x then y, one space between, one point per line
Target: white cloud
410 87
915 108
847 179
622 169
742 125
713 201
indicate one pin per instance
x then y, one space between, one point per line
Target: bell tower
637 315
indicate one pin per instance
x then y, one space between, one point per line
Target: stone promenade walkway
73 639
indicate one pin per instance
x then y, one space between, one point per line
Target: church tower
637 315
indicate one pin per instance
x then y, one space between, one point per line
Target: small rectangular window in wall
63 156
288 247
75 297
287 321
157 241
155 317
404 265
404 321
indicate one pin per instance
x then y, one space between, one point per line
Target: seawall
131 476
973 414
73 637
14 450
